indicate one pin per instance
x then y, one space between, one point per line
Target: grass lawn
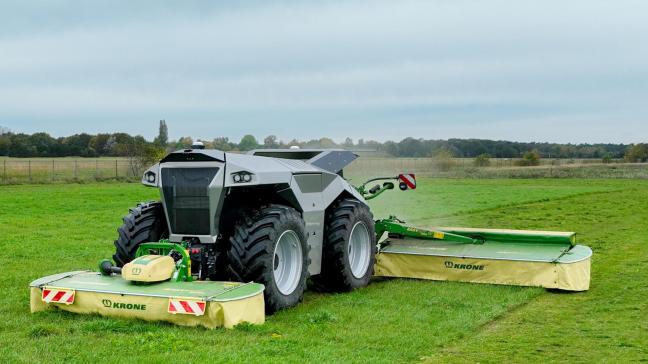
46 229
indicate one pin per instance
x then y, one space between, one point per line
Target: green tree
390 148
294 143
410 147
43 143
162 139
118 144
21 146
637 153
109 147
222 143
99 143
142 154
5 144
77 145
248 142
184 143
483 160
327 143
270 142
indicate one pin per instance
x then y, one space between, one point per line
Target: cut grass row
606 324
54 228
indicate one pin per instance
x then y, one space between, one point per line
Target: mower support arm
394 226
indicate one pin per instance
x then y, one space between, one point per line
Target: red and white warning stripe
189 307
409 179
52 295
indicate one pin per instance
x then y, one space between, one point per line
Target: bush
444 160
530 158
607 159
482 160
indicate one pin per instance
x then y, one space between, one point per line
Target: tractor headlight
242 177
150 177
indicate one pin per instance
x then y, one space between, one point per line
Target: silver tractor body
202 189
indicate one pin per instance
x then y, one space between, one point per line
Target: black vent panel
186 195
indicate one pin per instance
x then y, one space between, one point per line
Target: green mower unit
236 236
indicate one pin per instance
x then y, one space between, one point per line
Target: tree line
124 145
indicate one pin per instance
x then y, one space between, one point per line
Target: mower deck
512 257
198 303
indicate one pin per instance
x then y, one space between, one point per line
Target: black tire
144 223
341 218
252 252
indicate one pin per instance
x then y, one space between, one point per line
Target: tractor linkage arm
396 228
376 190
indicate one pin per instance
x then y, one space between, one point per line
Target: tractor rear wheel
349 248
269 246
144 223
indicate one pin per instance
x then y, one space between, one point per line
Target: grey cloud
448 68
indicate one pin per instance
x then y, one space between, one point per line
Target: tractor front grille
186 196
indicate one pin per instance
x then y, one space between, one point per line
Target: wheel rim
359 249
287 262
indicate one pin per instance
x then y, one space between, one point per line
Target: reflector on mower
407 180
54 295
189 307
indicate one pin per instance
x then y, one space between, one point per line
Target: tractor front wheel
144 223
269 246
349 249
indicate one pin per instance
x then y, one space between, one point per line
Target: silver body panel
314 188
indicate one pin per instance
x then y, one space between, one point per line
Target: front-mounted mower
235 236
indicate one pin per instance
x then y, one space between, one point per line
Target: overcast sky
562 71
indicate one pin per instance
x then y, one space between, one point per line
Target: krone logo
452 265
123 306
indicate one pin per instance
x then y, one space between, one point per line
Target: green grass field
46 229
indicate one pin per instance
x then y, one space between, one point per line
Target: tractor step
199 303
512 257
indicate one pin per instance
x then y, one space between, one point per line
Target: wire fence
62 170
15 171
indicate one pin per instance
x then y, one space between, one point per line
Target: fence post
52 170
76 176
4 168
29 169
116 169
96 169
